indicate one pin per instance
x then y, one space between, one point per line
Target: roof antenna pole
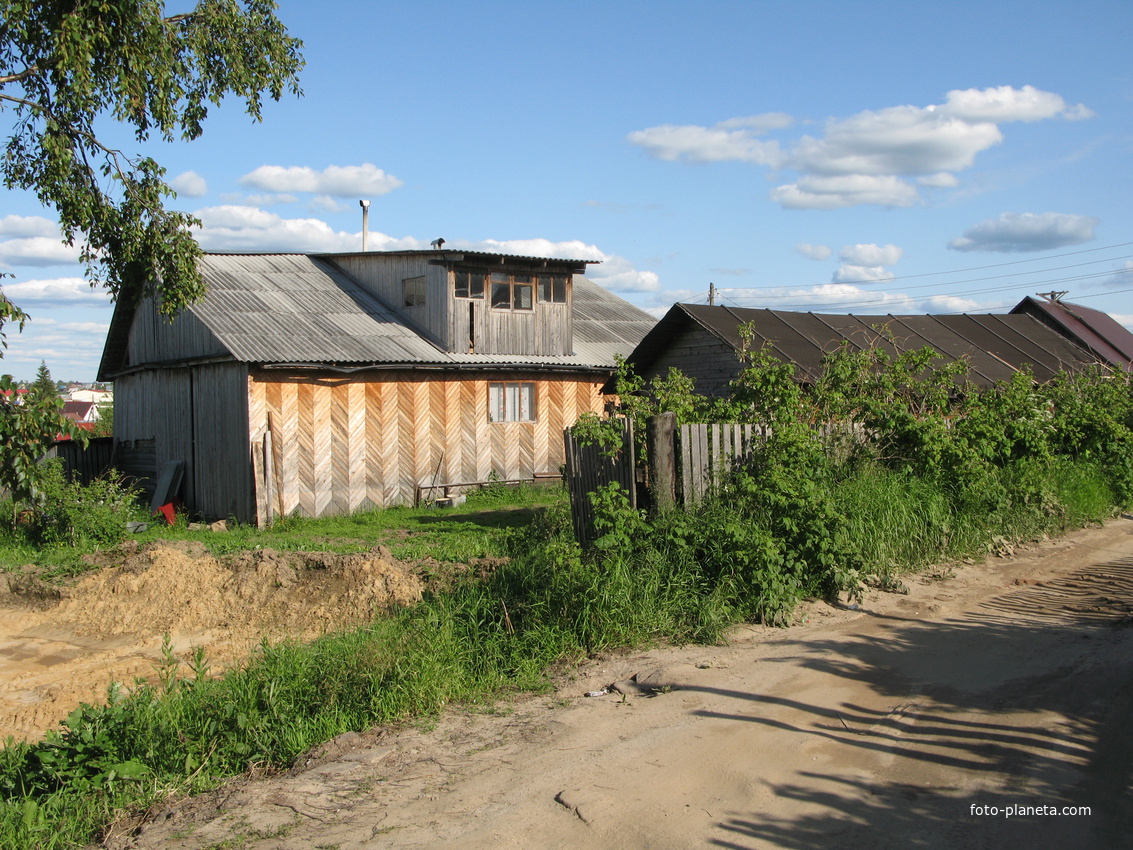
365 205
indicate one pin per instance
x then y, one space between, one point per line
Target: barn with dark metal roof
704 342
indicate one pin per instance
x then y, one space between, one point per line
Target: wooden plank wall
196 414
707 454
587 469
699 355
348 442
155 338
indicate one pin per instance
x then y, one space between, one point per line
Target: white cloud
341 181
733 140
71 349
830 193
870 255
865 263
850 273
38 251
62 291
190 185
1004 103
813 252
1021 232
876 157
262 200
1122 276
760 123
238 228
30 225
940 180
950 304
325 203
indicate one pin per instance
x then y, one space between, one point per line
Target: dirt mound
59 647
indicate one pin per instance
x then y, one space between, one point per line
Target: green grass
477 529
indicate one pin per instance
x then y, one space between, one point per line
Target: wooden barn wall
196 414
701 356
222 474
153 424
153 338
343 443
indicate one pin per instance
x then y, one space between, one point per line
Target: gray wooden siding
546 329
196 414
153 338
701 356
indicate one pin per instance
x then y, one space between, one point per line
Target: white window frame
511 401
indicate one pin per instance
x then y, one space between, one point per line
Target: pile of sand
60 647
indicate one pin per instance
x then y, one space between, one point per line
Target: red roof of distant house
77 411
1092 329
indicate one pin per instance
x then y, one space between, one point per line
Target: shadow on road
1026 701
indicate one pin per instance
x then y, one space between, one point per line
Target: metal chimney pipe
365 205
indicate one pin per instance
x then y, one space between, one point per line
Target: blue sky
859 157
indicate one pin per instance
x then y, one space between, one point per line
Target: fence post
663 459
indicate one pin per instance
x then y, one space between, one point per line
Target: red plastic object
166 511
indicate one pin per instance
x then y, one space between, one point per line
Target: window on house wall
512 291
470 284
511 402
552 289
414 288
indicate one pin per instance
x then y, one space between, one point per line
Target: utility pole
711 294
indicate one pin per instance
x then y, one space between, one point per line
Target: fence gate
587 469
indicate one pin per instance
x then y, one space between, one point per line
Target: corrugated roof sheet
995 346
297 308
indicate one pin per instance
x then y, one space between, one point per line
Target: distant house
82 412
704 342
96 396
323 384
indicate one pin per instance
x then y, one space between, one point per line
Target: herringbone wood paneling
345 443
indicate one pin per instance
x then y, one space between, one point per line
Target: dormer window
512 291
552 289
470 284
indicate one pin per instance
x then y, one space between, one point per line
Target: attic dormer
510 308
472 302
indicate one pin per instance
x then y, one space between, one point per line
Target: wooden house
324 384
704 342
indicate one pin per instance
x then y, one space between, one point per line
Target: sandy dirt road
1008 683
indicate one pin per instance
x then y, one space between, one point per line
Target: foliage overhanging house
323 384
1044 336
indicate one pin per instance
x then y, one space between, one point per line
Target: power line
841 305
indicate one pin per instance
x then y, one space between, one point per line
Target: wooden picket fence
685 463
587 469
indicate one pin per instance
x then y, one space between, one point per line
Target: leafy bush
72 514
